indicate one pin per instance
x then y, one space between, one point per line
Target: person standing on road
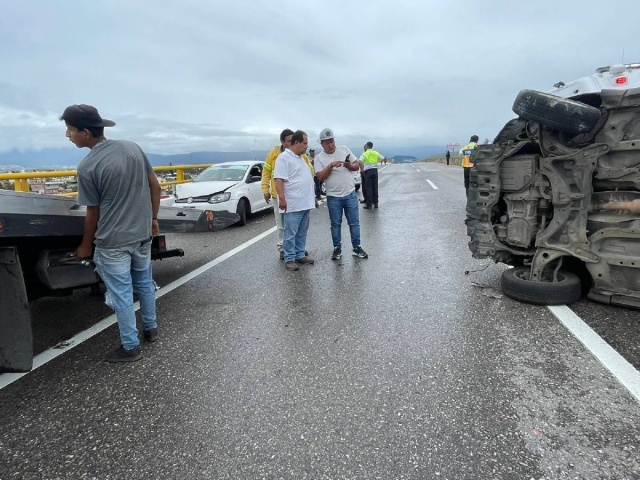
447 156
467 151
335 167
370 158
312 160
363 182
295 190
122 194
269 182
269 185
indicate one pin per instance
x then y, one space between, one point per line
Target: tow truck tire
556 112
563 292
241 210
16 341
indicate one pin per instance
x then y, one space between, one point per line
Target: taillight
621 80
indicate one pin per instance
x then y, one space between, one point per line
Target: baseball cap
326 134
84 116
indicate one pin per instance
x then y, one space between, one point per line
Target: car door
254 183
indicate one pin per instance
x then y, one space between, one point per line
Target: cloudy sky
219 75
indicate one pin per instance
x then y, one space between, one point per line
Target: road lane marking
54 352
431 183
624 372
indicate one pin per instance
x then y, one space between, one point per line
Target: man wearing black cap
122 195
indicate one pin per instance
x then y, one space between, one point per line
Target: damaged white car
230 186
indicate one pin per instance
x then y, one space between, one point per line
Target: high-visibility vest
371 156
467 151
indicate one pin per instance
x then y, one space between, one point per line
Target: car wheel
515 284
556 112
241 210
513 131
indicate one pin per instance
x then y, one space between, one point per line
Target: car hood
198 189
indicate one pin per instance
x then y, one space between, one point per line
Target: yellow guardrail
21 180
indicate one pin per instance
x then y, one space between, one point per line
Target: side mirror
254 178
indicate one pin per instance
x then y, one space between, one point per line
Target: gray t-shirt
115 177
340 182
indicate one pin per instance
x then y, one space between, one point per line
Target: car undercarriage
557 196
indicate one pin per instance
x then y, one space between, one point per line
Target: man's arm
154 187
282 201
90 227
352 166
267 175
323 174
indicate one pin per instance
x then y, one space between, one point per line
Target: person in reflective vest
467 152
370 159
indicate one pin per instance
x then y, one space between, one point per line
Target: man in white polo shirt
335 167
296 198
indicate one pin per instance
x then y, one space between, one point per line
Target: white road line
432 184
417 170
628 376
54 352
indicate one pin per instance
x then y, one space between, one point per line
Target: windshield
223 173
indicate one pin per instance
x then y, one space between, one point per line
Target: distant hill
60 158
68 158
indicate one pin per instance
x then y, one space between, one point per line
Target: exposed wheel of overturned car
555 112
515 284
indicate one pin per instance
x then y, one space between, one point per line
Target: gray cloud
203 75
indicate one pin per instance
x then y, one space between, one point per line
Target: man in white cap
335 167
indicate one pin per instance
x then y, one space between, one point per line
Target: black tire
514 131
556 112
567 290
241 210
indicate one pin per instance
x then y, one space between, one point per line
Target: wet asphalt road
394 367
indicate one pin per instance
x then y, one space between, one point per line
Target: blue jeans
125 270
294 240
349 204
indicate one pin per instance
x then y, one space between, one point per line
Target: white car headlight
220 197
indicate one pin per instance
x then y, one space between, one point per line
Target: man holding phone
335 167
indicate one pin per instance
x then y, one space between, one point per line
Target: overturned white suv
557 194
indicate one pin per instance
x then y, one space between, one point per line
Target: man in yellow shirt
269 181
467 152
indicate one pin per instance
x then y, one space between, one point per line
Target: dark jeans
349 205
318 188
363 186
466 179
447 160
371 186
